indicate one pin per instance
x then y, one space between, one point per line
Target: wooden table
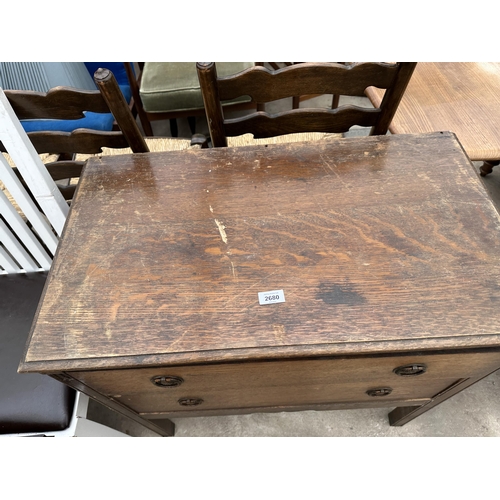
461 97
385 249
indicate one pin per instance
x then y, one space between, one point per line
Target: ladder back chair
264 85
66 103
170 90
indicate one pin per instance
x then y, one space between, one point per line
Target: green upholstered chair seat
168 86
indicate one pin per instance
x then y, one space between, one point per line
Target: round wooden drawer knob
382 391
410 370
167 381
190 401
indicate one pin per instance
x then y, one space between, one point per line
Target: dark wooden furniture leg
174 132
192 124
487 167
164 427
402 415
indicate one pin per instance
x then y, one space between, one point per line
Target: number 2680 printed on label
272 297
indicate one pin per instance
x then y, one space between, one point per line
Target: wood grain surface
379 243
462 97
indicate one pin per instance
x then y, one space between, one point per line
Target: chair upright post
210 92
107 84
134 88
392 98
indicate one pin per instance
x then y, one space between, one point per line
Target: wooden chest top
380 244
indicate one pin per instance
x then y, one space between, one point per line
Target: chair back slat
81 140
264 85
302 120
64 169
61 103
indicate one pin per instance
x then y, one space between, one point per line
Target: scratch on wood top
221 228
279 332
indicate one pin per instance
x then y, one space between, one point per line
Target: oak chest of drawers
385 249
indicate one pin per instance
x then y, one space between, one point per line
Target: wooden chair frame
68 104
264 85
147 117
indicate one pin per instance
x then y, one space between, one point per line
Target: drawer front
287 383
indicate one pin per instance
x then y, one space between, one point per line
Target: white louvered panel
23 232
34 173
26 204
10 242
7 263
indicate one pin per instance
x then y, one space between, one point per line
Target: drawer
287 383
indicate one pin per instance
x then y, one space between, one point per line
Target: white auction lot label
273 297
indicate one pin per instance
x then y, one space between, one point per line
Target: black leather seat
28 402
